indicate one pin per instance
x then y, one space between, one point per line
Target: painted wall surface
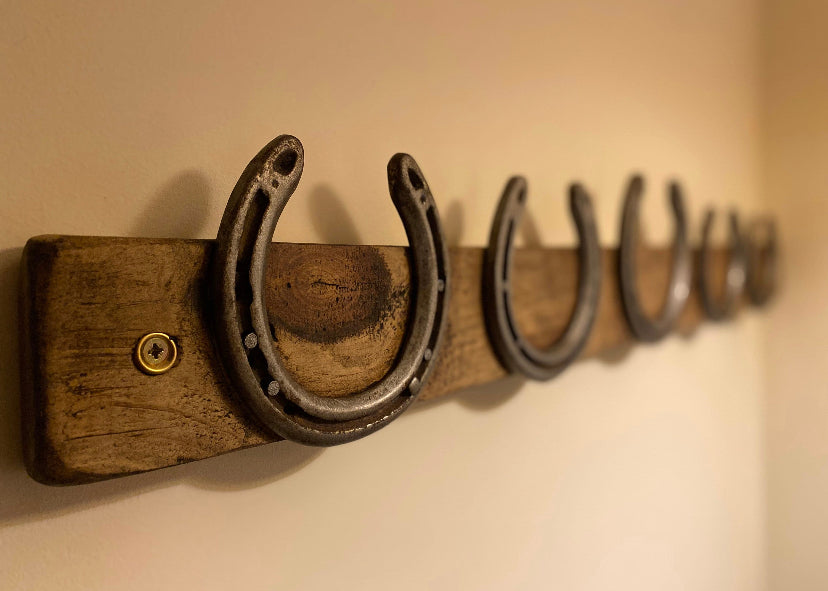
644 471
797 187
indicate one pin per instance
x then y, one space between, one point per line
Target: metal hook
736 271
243 331
761 278
514 351
645 328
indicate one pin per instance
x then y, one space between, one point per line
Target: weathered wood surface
338 314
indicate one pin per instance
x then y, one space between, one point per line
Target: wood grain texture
338 314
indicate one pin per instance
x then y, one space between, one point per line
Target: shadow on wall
179 209
334 221
330 217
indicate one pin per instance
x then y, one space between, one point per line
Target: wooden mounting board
339 314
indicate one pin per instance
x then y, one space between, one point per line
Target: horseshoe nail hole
521 197
415 180
274 183
427 355
423 199
285 162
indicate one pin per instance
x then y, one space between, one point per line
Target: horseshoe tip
676 197
516 189
403 168
285 141
579 198
637 181
284 156
635 189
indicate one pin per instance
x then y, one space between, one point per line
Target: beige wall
647 474
796 173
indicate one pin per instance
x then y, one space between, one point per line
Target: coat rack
140 354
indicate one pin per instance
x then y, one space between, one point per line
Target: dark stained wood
338 314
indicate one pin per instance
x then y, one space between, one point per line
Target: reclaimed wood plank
338 315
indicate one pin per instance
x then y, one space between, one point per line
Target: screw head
155 353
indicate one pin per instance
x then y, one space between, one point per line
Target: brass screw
155 353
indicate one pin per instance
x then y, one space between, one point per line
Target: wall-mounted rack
140 354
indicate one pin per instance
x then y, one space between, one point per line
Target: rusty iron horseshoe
243 333
761 278
512 348
735 280
643 327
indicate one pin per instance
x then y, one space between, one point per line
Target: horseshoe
248 354
736 271
645 328
761 279
514 351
